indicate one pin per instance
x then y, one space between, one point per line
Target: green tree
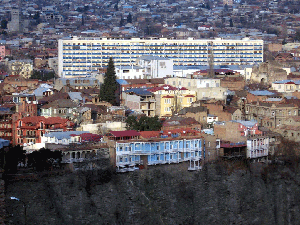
4 24
42 75
144 123
297 35
131 123
122 22
10 157
231 22
44 159
109 87
116 7
129 18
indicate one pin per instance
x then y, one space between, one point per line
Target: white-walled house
155 66
129 72
64 138
257 147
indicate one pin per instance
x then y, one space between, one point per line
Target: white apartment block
84 56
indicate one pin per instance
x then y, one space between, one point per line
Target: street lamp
24 205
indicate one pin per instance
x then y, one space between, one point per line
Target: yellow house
169 99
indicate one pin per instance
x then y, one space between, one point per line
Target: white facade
248 73
208 83
129 72
258 147
156 67
211 119
82 56
286 86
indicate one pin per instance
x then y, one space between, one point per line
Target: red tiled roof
125 133
90 137
49 120
150 134
192 96
168 96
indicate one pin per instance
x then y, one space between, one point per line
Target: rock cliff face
219 194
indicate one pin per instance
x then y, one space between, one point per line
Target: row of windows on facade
171 156
189 84
59 111
168 100
279 112
81 81
165 146
130 44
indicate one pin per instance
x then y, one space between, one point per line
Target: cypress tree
109 87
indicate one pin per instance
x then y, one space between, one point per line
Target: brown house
283 57
233 83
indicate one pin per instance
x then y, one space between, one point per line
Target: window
190 100
167 109
162 64
168 101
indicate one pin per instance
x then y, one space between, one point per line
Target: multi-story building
23 68
285 86
82 56
156 151
31 129
140 100
239 134
155 66
77 83
6 131
204 87
257 147
2 52
270 114
170 100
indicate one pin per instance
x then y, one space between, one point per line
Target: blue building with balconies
134 154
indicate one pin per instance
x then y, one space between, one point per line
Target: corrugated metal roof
262 93
139 91
66 134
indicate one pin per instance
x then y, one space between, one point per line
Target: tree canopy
109 87
10 158
44 159
42 75
145 123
